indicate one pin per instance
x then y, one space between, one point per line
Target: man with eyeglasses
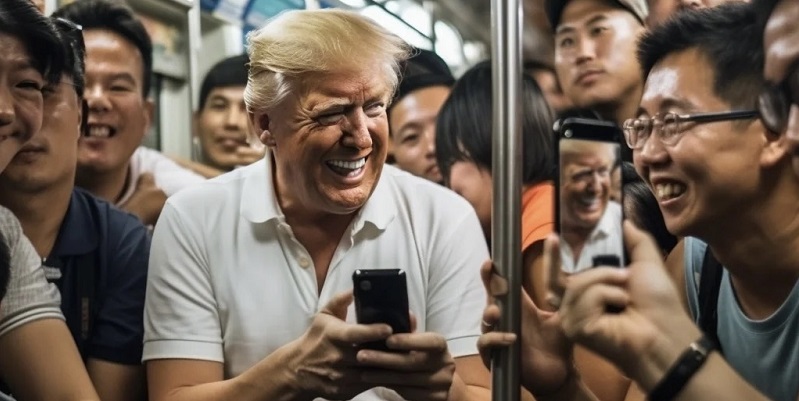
724 180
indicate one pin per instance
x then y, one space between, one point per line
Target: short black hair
463 128
116 17
730 36
232 71
641 207
22 20
71 39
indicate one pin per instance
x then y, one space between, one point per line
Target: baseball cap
424 69
554 9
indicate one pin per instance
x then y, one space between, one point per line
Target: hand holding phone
381 296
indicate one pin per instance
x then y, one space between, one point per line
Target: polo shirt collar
77 235
606 224
258 197
259 200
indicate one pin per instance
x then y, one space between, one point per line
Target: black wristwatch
681 372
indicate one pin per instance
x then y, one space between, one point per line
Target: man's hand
781 42
546 353
652 329
323 361
147 200
423 370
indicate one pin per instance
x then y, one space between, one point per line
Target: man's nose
96 98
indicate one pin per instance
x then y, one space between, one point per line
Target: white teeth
669 190
100 132
348 165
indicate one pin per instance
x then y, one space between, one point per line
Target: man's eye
30 85
566 42
329 119
410 139
375 110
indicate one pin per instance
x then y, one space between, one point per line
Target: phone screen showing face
381 296
589 200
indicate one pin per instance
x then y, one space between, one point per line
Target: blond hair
300 43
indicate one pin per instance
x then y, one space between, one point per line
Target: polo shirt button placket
304 262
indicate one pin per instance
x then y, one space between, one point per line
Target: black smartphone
588 195
381 296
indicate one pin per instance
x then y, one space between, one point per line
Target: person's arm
115 346
117 382
199 168
647 338
40 362
472 381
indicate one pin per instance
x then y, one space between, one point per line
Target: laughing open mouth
347 168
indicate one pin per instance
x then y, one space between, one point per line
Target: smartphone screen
589 196
381 296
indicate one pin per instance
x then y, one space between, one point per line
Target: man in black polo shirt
96 254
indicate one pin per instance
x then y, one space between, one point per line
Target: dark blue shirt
99 263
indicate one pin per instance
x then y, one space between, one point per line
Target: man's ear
775 147
149 112
260 123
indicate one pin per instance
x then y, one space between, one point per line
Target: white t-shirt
229 282
30 297
169 176
606 239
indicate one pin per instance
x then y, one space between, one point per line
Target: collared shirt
229 282
107 249
168 175
605 239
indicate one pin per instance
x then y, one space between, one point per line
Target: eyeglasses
775 102
671 125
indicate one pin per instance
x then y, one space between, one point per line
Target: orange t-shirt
538 213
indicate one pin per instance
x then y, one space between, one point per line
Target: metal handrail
506 26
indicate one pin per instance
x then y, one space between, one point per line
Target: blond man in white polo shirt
250 273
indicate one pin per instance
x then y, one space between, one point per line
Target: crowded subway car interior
399 200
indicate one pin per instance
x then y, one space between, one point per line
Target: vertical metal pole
506 22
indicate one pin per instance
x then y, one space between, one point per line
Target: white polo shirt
229 282
606 239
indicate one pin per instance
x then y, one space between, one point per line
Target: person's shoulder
148 160
9 225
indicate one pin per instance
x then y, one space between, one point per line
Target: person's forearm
269 380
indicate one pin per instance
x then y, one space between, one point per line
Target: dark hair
641 206
116 17
422 70
231 71
463 128
729 36
71 39
21 19
5 265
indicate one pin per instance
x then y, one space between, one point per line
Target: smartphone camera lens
568 133
366 285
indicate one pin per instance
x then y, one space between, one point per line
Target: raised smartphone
381 296
588 196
